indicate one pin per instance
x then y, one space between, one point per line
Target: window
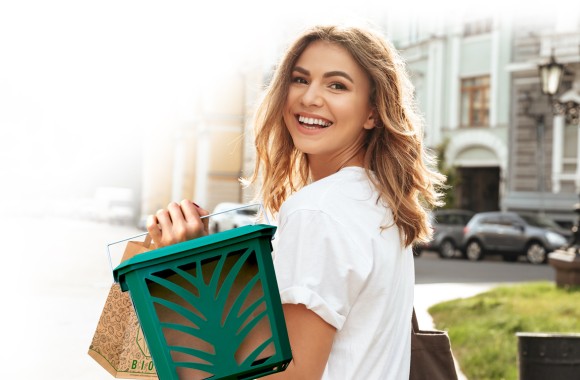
466 219
491 220
511 220
455 220
477 26
475 101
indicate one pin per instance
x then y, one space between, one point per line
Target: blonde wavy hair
403 171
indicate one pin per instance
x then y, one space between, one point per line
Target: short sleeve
320 265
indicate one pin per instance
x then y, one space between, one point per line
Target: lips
313 122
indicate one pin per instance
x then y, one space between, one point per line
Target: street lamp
568 104
551 76
566 260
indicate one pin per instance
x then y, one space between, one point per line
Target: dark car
512 235
448 227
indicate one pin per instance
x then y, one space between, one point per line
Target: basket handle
147 241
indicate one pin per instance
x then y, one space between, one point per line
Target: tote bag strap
415 323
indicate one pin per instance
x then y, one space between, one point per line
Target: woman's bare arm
311 341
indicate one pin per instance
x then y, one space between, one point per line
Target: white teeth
313 121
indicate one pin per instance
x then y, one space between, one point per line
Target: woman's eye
299 80
338 86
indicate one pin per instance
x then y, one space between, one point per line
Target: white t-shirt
332 256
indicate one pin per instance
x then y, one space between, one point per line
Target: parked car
232 215
512 235
448 227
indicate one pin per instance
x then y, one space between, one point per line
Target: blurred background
109 110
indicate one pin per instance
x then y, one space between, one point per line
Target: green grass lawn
482 328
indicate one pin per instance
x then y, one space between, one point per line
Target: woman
342 165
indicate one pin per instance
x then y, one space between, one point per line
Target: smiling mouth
313 123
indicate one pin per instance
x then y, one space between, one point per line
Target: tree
453 179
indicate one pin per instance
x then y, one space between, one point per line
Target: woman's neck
321 167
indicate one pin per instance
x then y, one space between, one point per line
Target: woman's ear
371 121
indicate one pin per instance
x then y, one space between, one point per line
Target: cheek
288 100
288 119
290 105
348 109
287 113
291 96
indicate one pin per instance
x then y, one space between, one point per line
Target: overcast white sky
75 75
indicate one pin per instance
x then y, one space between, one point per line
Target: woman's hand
179 222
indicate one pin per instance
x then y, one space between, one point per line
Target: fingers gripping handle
147 242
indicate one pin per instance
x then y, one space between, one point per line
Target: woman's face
327 108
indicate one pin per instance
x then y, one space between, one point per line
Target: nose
312 96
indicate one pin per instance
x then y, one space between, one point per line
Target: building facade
544 145
478 86
200 155
463 92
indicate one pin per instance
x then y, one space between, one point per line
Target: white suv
232 215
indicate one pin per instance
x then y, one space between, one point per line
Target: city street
57 277
430 269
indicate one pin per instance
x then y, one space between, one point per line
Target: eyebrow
326 75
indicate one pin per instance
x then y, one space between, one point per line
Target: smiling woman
340 165
327 109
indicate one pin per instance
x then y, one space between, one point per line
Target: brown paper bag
118 344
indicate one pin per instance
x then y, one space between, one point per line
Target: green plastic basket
210 307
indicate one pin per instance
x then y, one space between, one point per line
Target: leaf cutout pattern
213 316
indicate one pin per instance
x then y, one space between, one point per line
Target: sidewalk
427 295
55 283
